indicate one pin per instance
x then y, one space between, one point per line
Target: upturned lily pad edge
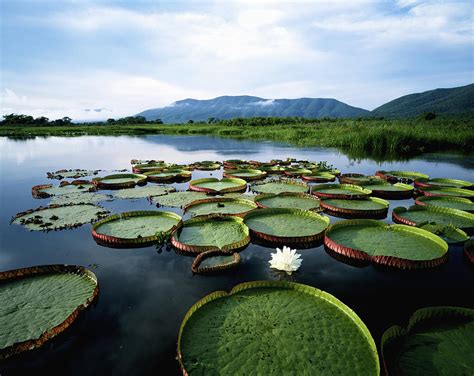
282 285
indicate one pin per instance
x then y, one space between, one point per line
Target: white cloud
115 95
273 49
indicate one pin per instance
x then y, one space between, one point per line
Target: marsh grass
378 139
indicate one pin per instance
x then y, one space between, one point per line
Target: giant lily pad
216 186
40 302
57 217
342 191
80 198
207 165
179 199
450 192
417 214
288 200
285 226
391 245
295 172
437 341
319 177
220 205
397 191
65 188
358 179
211 232
147 167
443 182
279 187
168 175
135 229
369 208
275 328
117 181
143 192
71 174
272 169
246 174
401 176
446 202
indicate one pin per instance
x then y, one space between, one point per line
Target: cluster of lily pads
275 203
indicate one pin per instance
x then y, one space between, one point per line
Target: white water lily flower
286 259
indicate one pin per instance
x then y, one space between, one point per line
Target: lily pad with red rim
446 202
220 205
397 246
371 207
40 302
216 186
342 191
293 200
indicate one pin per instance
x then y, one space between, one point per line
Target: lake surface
144 293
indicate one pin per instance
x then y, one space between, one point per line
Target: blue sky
101 59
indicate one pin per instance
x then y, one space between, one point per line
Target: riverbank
362 137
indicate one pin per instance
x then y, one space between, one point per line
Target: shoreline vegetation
376 138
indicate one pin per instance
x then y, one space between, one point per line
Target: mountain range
453 101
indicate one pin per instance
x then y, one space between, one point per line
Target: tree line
42 121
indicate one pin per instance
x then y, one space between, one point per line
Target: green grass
380 139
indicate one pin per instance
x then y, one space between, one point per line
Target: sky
93 60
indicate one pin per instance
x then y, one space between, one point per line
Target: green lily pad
401 176
369 208
449 233
211 232
207 165
343 191
214 185
246 174
179 199
147 167
319 176
286 226
279 187
48 190
390 191
56 217
135 229
417 214
359 179
168 175
447 202
71 174
272 169
297 171
220 205
40 302
451 192
437 341
275 328
288 200
79 198
116 181
443 182
143 192
392 245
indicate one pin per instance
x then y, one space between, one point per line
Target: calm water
133 326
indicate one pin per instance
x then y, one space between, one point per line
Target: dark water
133 326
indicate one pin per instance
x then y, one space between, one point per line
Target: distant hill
454 101
228 107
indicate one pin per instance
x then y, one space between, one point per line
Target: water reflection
143 296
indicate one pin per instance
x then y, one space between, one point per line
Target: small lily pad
216 186
220 205
143 192
288 200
